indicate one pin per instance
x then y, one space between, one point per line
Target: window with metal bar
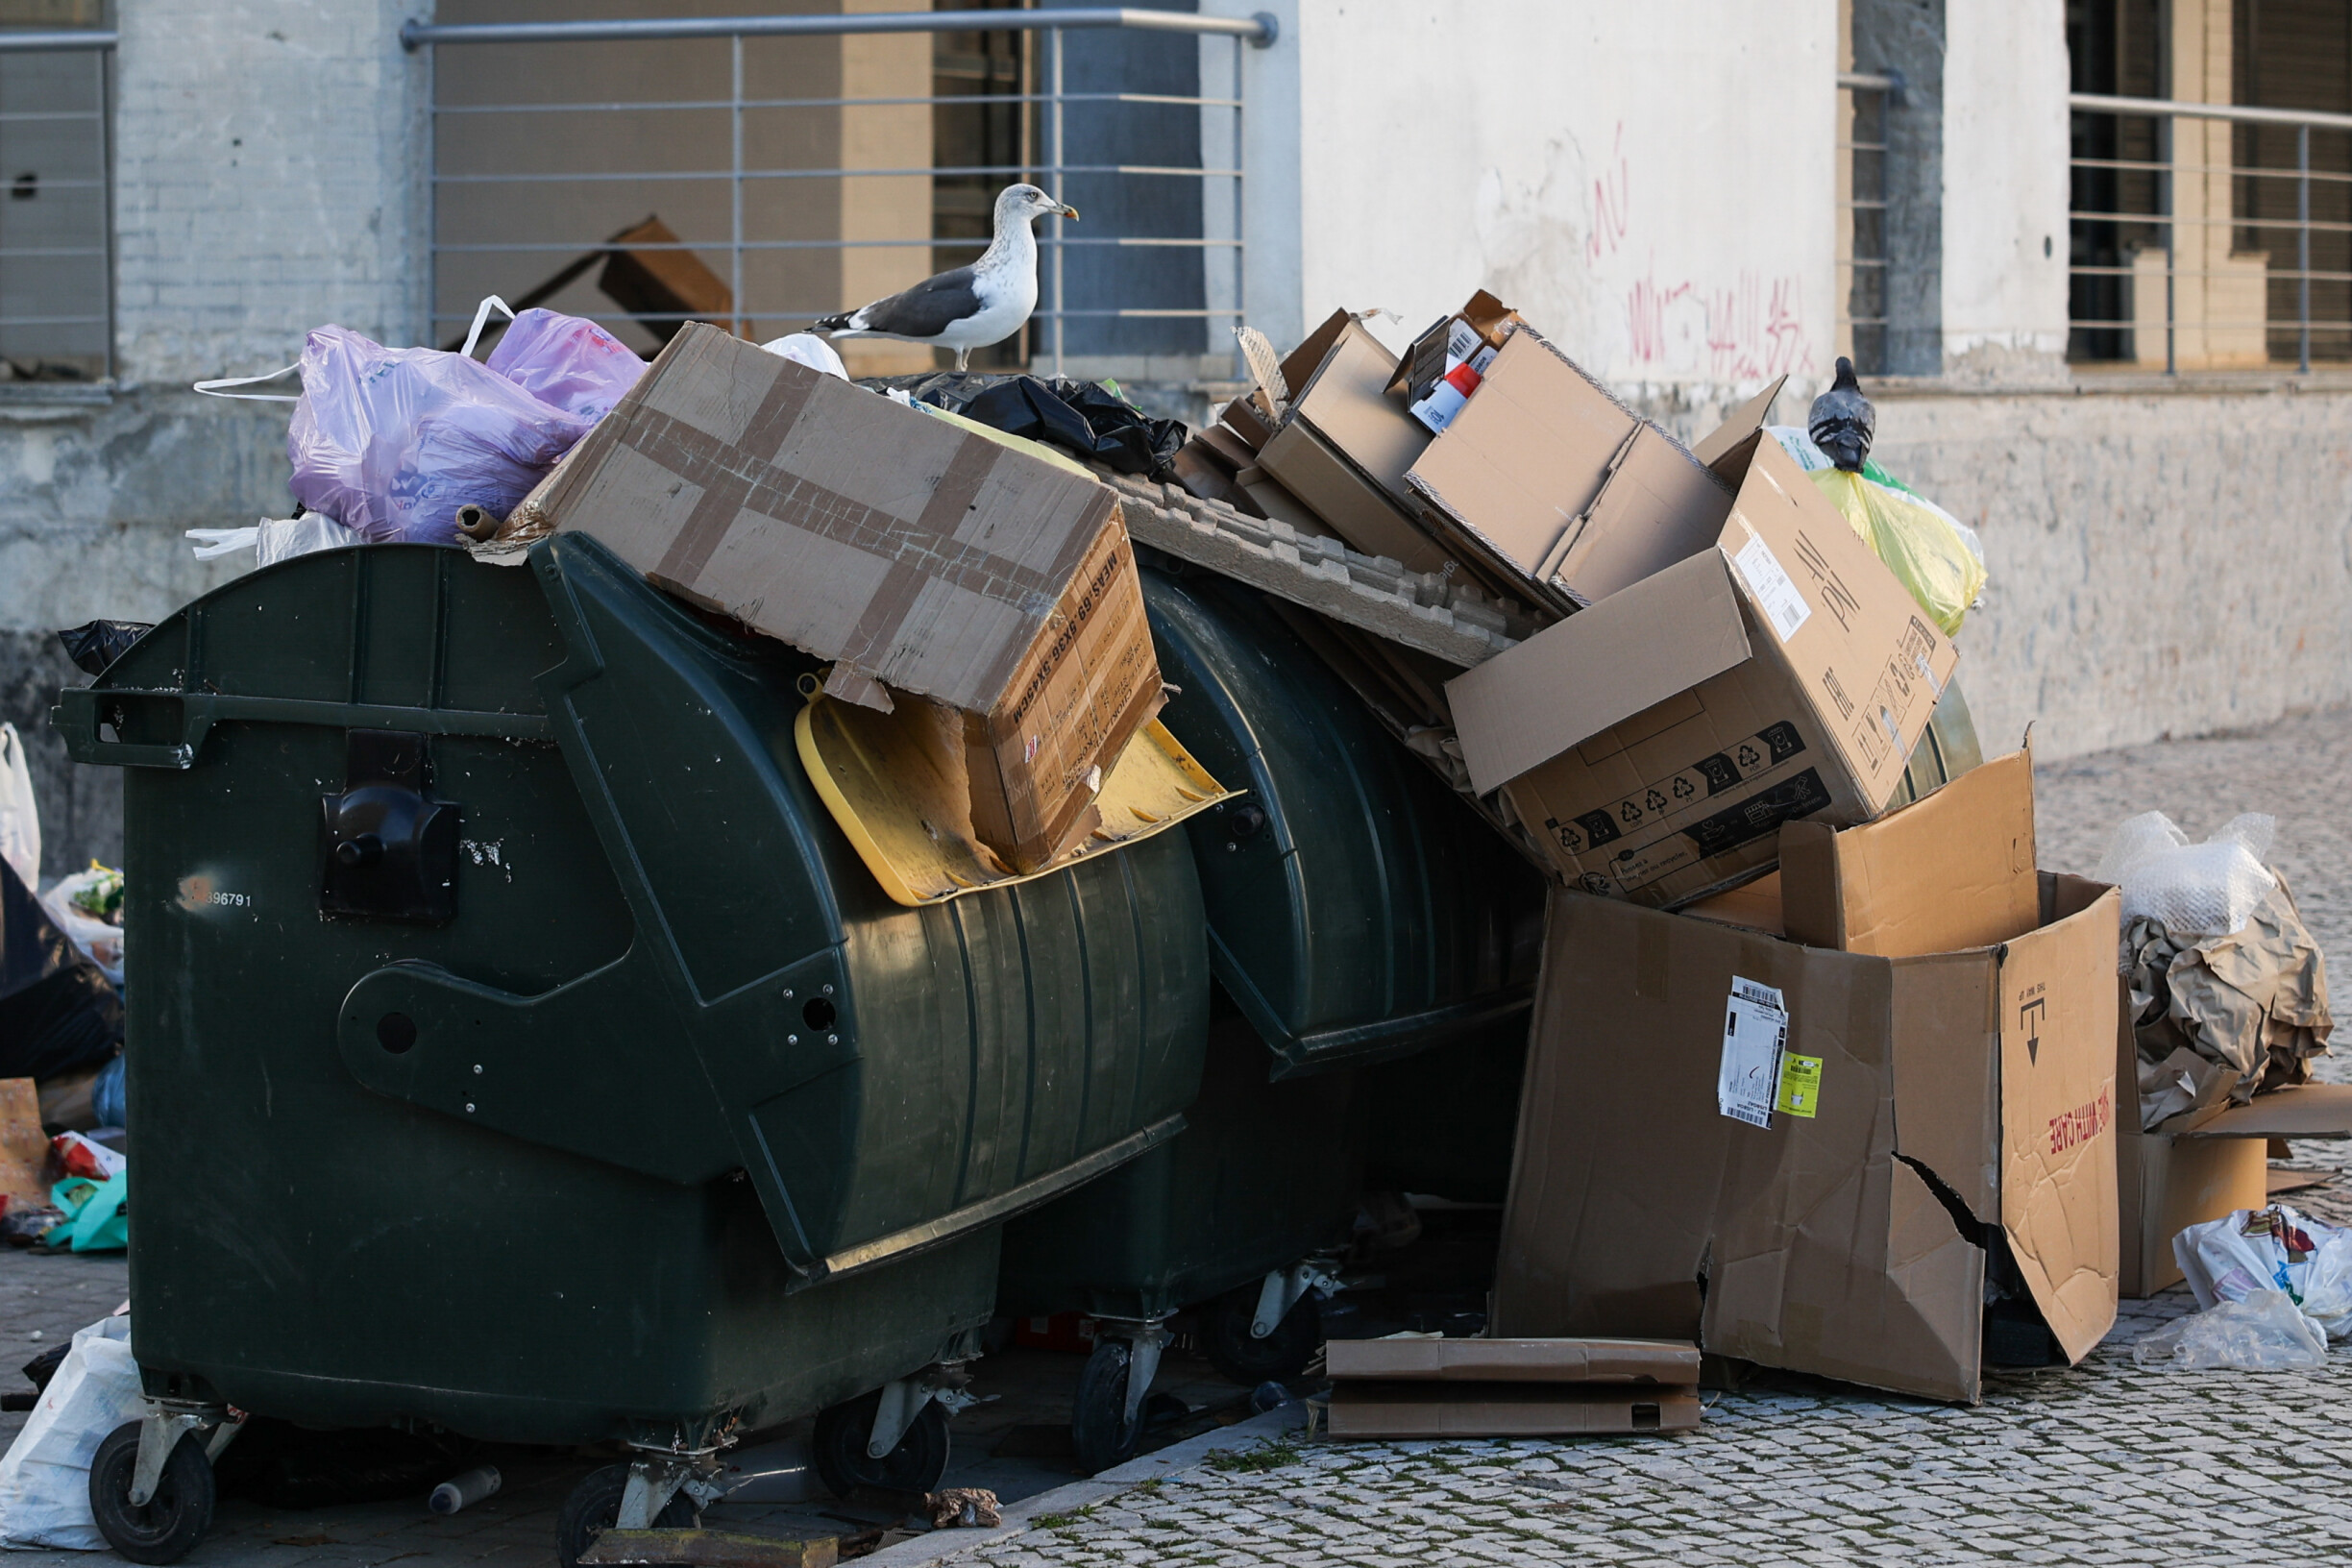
56 264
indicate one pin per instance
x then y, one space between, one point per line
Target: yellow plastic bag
1918 544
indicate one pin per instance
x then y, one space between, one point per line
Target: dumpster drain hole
817 1014
396 1032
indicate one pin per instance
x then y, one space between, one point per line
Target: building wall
263 153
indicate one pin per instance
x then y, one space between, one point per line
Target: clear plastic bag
810 350
100 939
2194 890
568 361
2262 1331
274 539
2276 1248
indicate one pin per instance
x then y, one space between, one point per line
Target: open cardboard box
1343 445
917 555
2203 1165
1560 492
1941 1119
1655 743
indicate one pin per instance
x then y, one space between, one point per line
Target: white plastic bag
810 350
44 1480
100 941
20 838
274 539
2253 1250
2195 889
2265 1331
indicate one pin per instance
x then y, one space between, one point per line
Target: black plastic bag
94 644
58 1015
1083 417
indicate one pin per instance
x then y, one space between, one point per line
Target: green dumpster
520 1048
1358 913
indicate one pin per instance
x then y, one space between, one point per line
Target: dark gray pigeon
969 308
1843 422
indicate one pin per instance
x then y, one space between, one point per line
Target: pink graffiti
1610 203
1752 330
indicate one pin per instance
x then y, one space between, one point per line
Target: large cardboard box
1939 1121
1555 487
920 557
1655 743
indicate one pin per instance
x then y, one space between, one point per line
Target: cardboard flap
1516 1361
1953 871
2058 1006
2306 1111
1745 421
1659 507
1298 367
1568 682
1344 402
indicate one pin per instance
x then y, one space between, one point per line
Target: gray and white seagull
969 308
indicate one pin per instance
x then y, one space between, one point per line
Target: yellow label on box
1800 1085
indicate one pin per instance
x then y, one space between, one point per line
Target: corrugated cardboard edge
1609 1361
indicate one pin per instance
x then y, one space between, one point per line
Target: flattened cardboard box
918 557
1656 742
1506 1410
1412 1358
1959 1096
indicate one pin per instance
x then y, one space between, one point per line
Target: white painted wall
2005 151
1656 193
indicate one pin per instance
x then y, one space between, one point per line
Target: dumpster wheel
594 1508
1105 1424
168 1525
839 1441
1249 1360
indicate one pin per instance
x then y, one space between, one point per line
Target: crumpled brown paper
2225 1017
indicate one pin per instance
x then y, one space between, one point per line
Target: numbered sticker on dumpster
1755 1028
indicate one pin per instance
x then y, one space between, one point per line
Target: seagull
969 308
1841 421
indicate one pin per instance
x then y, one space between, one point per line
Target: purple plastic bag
391 442
567 360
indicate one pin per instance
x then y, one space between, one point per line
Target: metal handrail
1261 30
2164 175
738 174
49 42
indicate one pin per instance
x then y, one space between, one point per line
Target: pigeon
969 308
1841 421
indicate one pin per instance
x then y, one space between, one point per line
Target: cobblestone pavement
2101 1463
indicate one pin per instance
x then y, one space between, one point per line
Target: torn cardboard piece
921 557
1656 742
1961 1099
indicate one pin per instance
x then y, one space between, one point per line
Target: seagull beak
1067 211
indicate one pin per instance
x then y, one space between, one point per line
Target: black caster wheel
168 1527
1278 1357
1102 1433
594 1508
844 1465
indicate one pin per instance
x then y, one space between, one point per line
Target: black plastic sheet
1081 417
58 1015
94 644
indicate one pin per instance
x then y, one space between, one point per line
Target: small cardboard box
1550 484
2202 1164
1507 1410
917 555
1655 743
1445 364
1343 445
1927 1102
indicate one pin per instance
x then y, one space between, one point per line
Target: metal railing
2137 203
1862 248
1048 165
98 243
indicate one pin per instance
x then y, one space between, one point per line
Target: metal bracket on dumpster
1285 1287
1145 1340
160 1429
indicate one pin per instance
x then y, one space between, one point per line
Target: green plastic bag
1918 544
97 1215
